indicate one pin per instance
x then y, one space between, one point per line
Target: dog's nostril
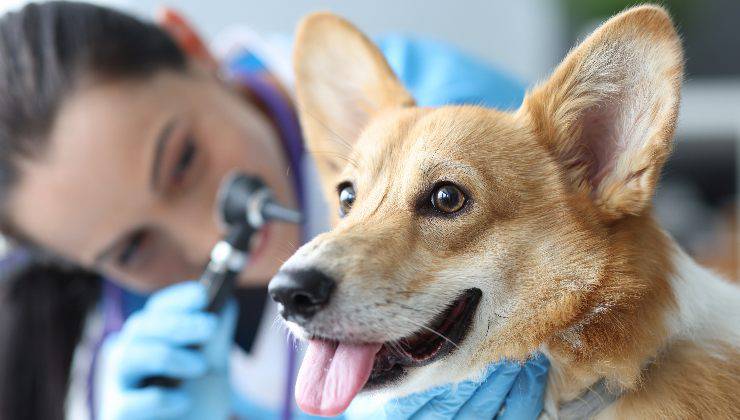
301 292
302 300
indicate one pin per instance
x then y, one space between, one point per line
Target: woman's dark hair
46 51
41 314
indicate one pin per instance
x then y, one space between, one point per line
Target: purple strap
290 135
285 118
15 258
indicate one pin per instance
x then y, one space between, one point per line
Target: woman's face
128 181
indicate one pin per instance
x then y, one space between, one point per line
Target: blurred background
697 198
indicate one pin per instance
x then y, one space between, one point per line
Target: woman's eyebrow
159 148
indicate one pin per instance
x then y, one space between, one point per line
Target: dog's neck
624 324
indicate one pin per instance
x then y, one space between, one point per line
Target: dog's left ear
342 80
608 112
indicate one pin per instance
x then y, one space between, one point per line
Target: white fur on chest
708 307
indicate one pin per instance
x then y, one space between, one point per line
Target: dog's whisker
336 137
277 323
424 311
431 330
345 158
280 261
395 346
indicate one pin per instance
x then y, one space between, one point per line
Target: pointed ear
186 37
608 112
342 80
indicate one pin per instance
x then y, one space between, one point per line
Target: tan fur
616 343
558 232
687 381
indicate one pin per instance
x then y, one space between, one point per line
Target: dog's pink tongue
332 374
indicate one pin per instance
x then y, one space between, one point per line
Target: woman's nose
194 238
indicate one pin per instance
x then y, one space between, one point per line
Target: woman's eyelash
132 247
186 159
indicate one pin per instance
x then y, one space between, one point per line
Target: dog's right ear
342 79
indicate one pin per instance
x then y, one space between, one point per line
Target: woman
115 136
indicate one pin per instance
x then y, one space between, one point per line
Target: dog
464 235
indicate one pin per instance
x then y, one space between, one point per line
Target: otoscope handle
217 298
228 258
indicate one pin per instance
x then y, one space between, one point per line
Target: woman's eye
183 163
132 248
346 199
448 198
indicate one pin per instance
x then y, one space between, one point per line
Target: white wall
522 36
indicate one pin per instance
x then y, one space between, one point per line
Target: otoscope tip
273 211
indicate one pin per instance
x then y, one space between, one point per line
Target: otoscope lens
234 195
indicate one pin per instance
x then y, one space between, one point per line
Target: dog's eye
448 198
346 199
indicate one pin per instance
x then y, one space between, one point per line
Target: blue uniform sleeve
438 74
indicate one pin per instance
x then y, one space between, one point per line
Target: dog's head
465 234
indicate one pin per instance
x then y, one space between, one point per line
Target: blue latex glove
508 391
153 342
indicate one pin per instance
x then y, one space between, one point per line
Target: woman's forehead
94 174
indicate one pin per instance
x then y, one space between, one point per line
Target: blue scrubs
439 74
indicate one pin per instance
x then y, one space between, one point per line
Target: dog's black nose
302 292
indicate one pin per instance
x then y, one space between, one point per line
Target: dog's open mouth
333 373
445 332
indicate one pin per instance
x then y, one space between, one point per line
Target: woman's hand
172 336
507 391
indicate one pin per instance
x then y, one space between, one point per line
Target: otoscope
245 204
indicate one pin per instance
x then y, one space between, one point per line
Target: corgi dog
464 235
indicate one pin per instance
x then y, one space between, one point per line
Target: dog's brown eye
448 198
346 199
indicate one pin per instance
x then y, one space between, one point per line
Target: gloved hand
154 342
508 391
